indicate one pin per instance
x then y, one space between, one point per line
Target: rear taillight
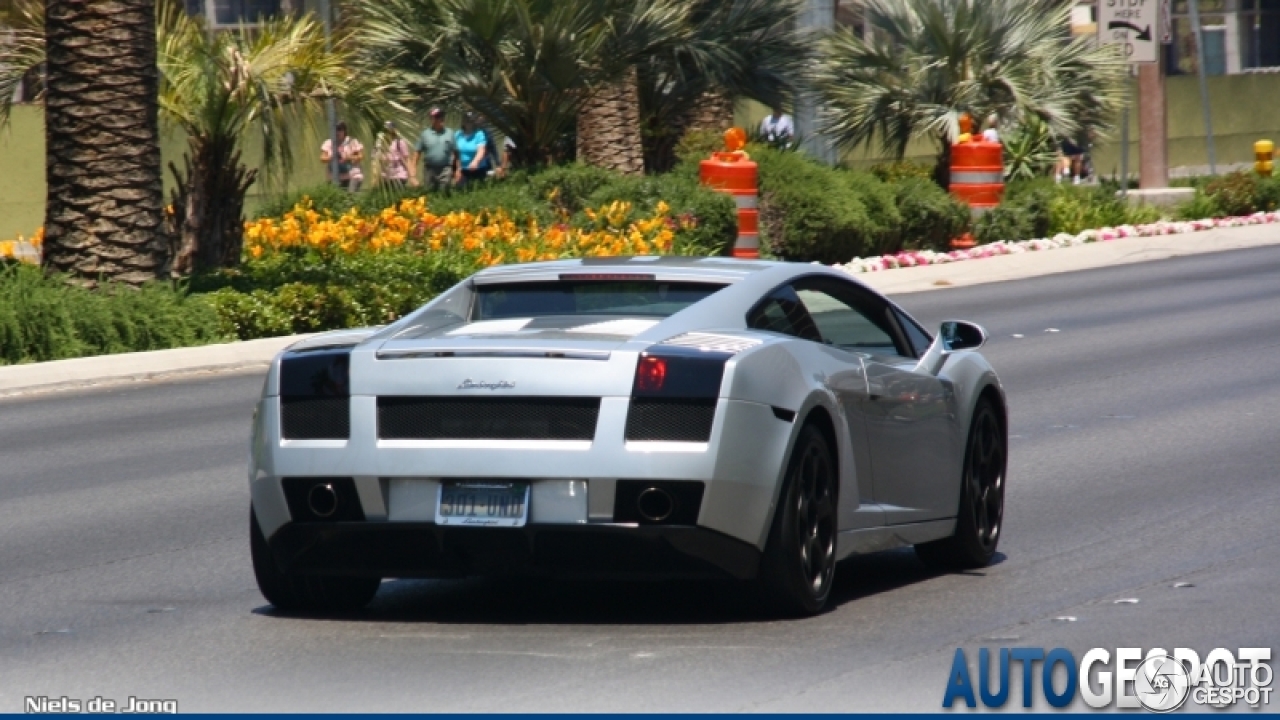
674 372
651 374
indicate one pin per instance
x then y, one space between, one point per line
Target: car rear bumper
427 550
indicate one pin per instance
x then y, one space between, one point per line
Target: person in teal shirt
436 151
470 142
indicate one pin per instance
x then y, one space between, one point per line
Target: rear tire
291 592
799 561
980 518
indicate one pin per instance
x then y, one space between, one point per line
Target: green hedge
813 212
44 318
1042 208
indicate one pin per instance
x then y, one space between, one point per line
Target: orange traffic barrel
977 174
733 174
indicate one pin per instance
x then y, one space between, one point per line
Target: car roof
693 269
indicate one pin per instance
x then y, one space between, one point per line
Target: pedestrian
471 142
778 128
508 146
990 131
436 153
391 157
350 155
1070 163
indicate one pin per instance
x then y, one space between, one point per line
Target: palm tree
529 67
104 214
744 48
608 127
927 61
223 88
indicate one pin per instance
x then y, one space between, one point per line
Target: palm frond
22 51
927 61
258 82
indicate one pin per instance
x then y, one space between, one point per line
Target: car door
843 374
908 415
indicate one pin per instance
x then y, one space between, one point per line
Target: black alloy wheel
800 559
980 517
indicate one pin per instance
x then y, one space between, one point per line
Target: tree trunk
208 206
105 209
609 128
711 111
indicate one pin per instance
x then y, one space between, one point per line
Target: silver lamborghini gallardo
625 417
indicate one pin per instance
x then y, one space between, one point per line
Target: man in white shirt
778 128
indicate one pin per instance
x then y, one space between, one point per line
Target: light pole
1198 31
330 108
817 17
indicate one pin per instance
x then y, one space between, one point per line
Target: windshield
648 298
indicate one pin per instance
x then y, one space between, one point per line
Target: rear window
649 298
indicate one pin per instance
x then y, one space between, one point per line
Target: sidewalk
132 367
1070 259
256 354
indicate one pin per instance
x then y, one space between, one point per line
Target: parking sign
1134 25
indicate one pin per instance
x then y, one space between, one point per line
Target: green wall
1245 108
22 186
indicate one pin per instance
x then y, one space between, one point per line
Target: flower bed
927 257
486 238
22 249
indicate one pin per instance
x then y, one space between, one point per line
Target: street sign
1134 25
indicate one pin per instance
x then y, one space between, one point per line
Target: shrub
1235 193
1198 208
1029 150
931 218
1267 196
1073 209
322 197
44 318
567 187
697 145
884 222
1004 223
899 170
812 212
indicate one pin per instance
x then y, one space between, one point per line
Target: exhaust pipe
322 500
655 504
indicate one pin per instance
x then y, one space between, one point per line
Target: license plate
483 504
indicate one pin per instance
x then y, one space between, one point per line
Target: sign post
1138 27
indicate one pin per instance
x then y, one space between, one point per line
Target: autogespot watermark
1159 680
46 705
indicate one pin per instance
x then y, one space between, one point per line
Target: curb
1018 262
257 354
139 366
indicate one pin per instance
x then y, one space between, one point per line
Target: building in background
1240 36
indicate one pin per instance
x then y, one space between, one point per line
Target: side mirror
961 335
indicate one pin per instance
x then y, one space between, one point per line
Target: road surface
1144 455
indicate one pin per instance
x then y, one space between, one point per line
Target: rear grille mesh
315 418
451 418
661 419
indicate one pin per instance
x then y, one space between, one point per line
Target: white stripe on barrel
976 177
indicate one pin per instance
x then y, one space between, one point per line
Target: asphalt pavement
1143 403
